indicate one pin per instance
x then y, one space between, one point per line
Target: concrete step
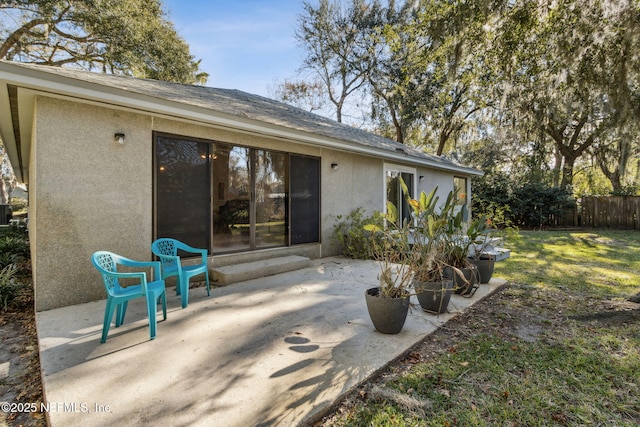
256 269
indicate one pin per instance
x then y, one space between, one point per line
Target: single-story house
114 162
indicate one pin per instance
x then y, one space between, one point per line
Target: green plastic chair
166 250
118 297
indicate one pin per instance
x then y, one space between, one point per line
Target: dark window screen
182 190
305 199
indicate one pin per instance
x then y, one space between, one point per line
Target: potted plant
427 259
388 303
458 242
480 236
432 288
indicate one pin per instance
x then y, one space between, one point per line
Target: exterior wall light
334 166
119 138
421 178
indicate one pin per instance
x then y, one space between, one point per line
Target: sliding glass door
182 190
231 198
305 199
270 201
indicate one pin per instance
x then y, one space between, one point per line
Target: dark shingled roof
247 106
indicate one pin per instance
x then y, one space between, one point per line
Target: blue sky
243 44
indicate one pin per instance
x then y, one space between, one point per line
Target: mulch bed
20 380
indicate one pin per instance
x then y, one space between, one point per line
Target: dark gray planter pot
387 314
460 286
434 297
485 268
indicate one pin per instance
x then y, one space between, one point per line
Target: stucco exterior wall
434 178
358 182
88 193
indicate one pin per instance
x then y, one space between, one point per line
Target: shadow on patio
273 351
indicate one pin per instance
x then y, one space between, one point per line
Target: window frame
400 169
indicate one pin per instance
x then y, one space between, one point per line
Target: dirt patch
613 313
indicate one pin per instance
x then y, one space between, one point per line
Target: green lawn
559 346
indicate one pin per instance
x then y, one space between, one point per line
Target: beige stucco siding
90 194
358 182
434 178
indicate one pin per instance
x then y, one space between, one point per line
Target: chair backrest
105 262
166 249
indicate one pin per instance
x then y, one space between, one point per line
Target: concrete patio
280 350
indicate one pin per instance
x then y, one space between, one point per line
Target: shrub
534 204
18 204
8 286
627 190
514 203
15 230
14 248
349 232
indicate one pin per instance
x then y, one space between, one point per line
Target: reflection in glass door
395 195
249 201
231 176
230 198
270 199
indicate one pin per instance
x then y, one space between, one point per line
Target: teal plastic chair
167 251
118 297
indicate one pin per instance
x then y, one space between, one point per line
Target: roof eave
81 91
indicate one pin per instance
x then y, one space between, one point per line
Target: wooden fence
564 217
621 212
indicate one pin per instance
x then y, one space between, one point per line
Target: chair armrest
127 275
186 248
155 265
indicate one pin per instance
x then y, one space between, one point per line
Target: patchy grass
559 346
604 264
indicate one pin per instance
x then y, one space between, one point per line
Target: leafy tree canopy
547 90
130 37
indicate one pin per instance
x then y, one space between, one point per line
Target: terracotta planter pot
434 296
387 314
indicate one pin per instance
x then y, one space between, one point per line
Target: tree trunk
569 146
557 167
4 191
620 158
443 140
612 176
567 170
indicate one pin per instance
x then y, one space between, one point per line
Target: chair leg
151 311
206 277
164 305
122 310
108 315
184 284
